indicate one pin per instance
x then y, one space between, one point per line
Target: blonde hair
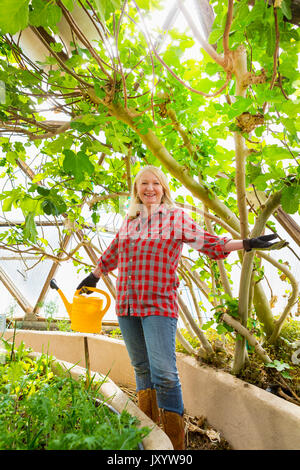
135 201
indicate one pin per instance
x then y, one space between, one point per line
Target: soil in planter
199 435
284 382
281 379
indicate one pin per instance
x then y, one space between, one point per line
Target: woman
146 251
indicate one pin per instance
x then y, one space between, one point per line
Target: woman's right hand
89 281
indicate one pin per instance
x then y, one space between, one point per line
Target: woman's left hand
263 243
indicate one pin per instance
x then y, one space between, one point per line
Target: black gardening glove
263 243
89 281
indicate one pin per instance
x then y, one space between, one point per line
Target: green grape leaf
14 15
106 7
77 164
44 13
286 8
290 199
29 230
69 4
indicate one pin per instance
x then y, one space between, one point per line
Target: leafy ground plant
39 410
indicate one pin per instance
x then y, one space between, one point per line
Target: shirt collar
162 208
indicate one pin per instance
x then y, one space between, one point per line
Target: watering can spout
67 304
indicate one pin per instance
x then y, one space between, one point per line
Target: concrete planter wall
248 417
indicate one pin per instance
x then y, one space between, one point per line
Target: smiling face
149 189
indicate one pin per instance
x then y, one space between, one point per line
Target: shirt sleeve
109 259
188 231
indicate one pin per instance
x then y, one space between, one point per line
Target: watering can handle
53 284
95 289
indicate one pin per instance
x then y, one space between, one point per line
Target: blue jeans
150 342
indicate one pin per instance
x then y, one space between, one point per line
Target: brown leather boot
147 402
173 426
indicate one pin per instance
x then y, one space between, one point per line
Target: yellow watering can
85 312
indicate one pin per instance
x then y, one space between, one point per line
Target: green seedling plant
43 411
228 304
50 309
281 366
116 333
63 325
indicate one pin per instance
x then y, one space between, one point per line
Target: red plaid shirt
147 252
